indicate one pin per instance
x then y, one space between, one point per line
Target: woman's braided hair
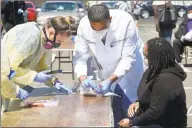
160 56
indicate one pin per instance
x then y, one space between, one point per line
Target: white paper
188 36
50 102
89 91
111 94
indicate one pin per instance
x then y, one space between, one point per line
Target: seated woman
182 35
161 95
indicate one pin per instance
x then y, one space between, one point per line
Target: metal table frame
70 57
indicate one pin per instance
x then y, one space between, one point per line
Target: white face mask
189 16
100 34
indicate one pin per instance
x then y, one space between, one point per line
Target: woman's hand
125 123
133 108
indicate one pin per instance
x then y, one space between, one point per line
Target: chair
187 53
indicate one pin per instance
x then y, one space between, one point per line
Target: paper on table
89 91
40 103
111 94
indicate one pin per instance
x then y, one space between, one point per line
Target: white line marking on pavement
188 70
187 87
188 113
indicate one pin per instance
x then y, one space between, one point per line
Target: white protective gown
121 55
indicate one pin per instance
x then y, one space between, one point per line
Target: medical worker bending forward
111 37
27 47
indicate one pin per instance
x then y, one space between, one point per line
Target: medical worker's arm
81 54
44 62
9 89
128 57
24 43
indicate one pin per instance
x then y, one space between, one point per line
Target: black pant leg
118 112
178 48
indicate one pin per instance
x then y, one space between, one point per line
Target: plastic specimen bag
89 91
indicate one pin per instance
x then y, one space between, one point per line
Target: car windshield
79 5
110 5
29 5
59 6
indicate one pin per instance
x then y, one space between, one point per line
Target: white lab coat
124 58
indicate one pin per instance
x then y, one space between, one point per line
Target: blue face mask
73 38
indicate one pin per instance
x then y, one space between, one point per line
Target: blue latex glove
42 77
104 87
23 95
11 74
20 11
88 83
61 87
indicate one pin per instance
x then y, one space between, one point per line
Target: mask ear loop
55 35
54 43
45 30
45 34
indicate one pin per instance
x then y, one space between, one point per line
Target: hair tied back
69 20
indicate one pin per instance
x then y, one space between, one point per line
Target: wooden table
67 46
74 110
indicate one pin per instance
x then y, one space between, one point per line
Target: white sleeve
188 36
128 52
81 53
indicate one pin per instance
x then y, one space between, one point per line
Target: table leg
59 60
51 66
73 75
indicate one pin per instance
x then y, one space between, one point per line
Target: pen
53 72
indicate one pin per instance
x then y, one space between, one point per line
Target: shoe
184 68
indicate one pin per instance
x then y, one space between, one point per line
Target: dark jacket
10 12
167 25
162 100
182 30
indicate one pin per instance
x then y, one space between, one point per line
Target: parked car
81 7
31 10
110 4
147 9
61 8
